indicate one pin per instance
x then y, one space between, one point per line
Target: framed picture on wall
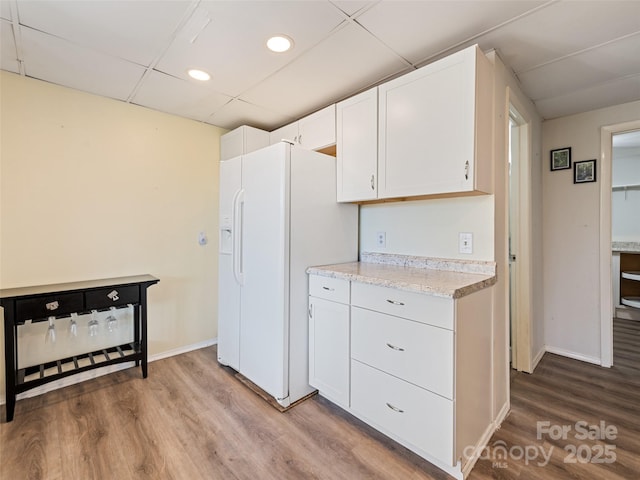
561 159
584 172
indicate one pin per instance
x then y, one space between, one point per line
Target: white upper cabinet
242 140
357 147
435 128
313 132
288 132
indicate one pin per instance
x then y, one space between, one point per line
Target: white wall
571 229
95 188
430 228
625 205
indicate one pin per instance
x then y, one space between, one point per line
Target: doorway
519 246
607 304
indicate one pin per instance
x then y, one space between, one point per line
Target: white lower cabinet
415 366
329 336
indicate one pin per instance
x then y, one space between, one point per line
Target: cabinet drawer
112 297
51 305
334 289
437 311
415 352
410 413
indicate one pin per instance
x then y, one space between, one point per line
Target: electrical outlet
381 239
465 242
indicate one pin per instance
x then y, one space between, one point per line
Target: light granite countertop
626 247
441 277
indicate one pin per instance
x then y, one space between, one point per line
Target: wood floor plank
192 419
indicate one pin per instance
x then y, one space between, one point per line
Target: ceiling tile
134 30
562 28
421 30
619 91
232 46
5 10
58 61
592 67
8 60
238 112
346 62
180 97
351 7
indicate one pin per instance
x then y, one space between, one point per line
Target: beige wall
571 215
95 188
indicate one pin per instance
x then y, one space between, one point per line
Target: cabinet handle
300 139
466 170
310 310
395 302
395 409
329 289
393 347
373 179
51 306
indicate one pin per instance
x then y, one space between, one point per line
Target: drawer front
437 311
334 289
112 297
415 352
49 306
414 415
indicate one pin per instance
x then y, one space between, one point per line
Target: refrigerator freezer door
265 265
228 289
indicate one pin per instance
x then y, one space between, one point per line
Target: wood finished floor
191 419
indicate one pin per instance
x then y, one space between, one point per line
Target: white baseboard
502 414
185 349
98 372
537 358
484 439
574 355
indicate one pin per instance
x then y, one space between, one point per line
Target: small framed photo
584 172
561 159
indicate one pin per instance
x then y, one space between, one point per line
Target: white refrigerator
278 216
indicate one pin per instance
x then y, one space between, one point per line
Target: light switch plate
465 242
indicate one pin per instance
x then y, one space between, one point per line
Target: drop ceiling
569 56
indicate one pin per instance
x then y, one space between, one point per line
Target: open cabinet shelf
631 276
36 375
633 302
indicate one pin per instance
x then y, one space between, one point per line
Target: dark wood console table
38 303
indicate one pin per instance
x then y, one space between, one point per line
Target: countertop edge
484 281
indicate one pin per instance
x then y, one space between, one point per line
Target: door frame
521 325
607 308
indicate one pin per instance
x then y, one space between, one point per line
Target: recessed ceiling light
279 43
199 75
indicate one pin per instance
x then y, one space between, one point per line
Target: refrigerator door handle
238 207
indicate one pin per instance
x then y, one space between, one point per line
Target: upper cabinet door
288 132
428 142
318 130
357 147
242 140
312 132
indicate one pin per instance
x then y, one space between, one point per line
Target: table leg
10 362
